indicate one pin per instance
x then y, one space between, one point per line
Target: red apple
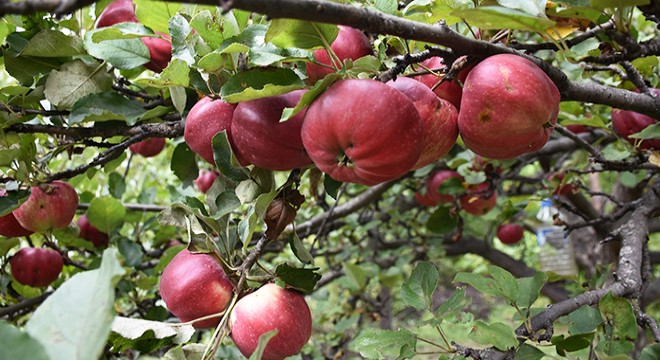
148 148
439 119
363 131
350 43
448 90
557 182
50 206
509 107
116 12
424 198
9 226
434 183
90 233
205 180
479 199
271 308
207 118
160 52
577 128
195 285
36 267
626 123
510 233
263 140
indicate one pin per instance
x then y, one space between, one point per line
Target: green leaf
530 288
120 53
443 220
571 343
616 4
209 28
528 352
259 83
386 6
261 346
453 305
16 344
184 165
483 284
619 313
106 106
301 279
432 11
357 275
12 200
377 343
106 213
418 290
506 282
331 186
496 17
8 244
80 311
651 352
310 95
75 80
222 155
299 249
584 320
147 336
51 43
531 7
156 14
289 33
116 185
496 334
650 132
131 251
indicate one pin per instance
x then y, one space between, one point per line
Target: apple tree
327 180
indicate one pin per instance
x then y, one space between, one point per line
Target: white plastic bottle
555 250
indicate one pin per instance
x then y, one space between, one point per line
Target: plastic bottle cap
547 202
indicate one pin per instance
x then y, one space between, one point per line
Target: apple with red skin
271 308
448 90
577 128
263 140
626 123
435 181
50 206
36 267
350 43
509 107
90 233
9 226
510 233
205 180
439 119
478 199
424 198
195 285
148 148
363 131
562 188
207 118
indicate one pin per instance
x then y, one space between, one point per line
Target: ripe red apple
577 128
36 267
626 123
9 226
509 107
479 199
439 119
363 131
271 308
424 198
263 140
195 285
160 52
207 118
448 90
148 148
205 180
50 206
90 233
435 181
557 182
116 12
350 43
510 233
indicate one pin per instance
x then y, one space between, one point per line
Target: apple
423 197
626 123
263 140
9 226
148 148
439 119
160 48
207 118
271 308
435 182
577 128
556 181
50 206
509 107
363 131
510 233
350 43
205 179
448 90
478 199
195 285
36 267
90 233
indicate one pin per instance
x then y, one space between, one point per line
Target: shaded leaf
443 220
106 106
290 33
418 290
106 213
222 155
496 334
301 279
16 344
184 165
378 343
496 17
52 43
259 83
75 80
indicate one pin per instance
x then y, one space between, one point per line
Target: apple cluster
195 286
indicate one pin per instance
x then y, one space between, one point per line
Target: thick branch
170 129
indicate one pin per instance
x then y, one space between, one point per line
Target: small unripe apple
510 233
90 233
50 206
148 148
195 285
435 181
36 267
626 123
479 199
350 43
271 308
448 90
205 180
